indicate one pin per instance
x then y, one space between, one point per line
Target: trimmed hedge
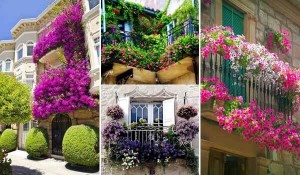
81 145
8 140
36 143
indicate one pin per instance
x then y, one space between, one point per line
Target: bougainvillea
280 40
63 89
187 112
115 112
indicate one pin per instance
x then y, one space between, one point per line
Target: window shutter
124 103
169 112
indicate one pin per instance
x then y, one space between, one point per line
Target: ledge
52 57
23 60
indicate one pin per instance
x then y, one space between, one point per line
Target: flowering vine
280 40
63 89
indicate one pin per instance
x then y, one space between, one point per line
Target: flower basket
219 103
208 106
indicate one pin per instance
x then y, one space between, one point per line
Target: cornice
285 7
7 45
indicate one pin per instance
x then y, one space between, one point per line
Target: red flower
116 11
160 25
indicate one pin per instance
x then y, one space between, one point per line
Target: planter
140 76
181 72
208 110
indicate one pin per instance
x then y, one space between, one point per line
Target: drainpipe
103 15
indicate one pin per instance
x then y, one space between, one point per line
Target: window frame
8 60
29 79
20 48
150 113
29 44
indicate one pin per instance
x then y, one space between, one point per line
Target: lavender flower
115 112
187 112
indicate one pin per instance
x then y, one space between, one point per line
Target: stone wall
276 15
108 97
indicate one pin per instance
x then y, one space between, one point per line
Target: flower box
181 72
208 110
140 76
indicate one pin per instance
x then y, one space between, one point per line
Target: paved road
23 166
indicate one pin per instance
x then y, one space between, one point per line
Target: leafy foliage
81 145
14 101
8 140
5 164
37 142
186 10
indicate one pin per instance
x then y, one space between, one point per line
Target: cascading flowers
64 89
279 40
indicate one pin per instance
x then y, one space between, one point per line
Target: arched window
30 45
7 65
20 52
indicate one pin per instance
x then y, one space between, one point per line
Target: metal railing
146 134
267 95
113 35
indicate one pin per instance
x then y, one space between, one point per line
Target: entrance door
221 163
26 128
60 124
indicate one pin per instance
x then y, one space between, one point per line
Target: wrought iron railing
113 35
147 134
188 27
267 95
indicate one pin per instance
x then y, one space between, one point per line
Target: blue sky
11 11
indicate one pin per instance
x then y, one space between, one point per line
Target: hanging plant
187 112
278 40
115 112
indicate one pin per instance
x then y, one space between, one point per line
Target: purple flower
187 112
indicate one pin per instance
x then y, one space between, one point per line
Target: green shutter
235 19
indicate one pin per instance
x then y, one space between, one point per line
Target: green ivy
186 11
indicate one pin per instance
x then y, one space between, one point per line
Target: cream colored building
16 57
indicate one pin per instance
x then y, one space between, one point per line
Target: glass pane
29 50
29 75
139 113
93 3
161 114
96 40
145 113
98 51
133 115
26 127
0 67
155 115
7 67
20 54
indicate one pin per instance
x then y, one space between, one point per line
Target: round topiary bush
8 140
81 145
36 143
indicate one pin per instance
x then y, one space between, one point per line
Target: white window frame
19 77
10 63
150 119
20 47
29 79
97 57
29 43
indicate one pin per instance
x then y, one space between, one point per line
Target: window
20 52
151 112
93 3
30 79
97 48
1 67
7 65
233 80
26 127
19 77
30 48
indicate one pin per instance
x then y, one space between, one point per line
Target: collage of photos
116 87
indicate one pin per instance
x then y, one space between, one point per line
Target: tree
15 97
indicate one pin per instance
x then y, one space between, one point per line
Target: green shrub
37 142
8 140
81 145
5 164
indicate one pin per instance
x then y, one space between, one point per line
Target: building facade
16 59
223 153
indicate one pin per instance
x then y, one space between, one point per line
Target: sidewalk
23 166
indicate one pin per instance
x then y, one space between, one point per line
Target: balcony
265 94
55 58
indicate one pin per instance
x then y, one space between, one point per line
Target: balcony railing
266 95
189 27
146 134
